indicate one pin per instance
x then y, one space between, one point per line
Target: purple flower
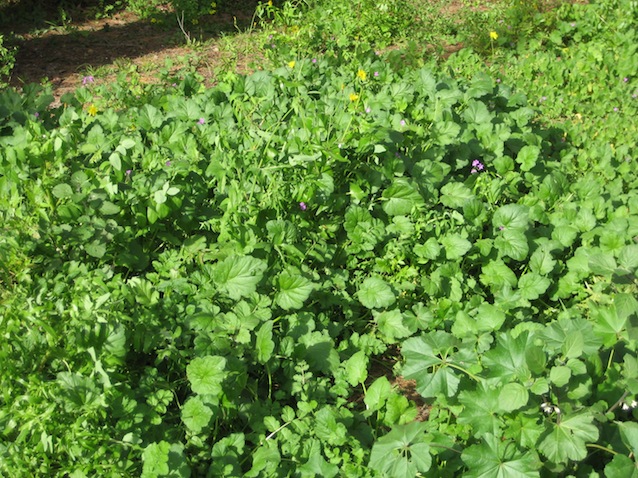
128 172
168 163
314 60
201 121
500 228
477 166
368 110
302 206
376 73
615 108
402 122
625 79
36 114
88 79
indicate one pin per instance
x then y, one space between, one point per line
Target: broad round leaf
206 374
375 293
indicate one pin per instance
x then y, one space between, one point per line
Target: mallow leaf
402 453
238 276
375 293
293 290
206 374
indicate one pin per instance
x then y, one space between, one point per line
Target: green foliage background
224 281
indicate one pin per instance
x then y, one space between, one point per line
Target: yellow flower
292 63
494 35
354 97
92 110
270 3
362 75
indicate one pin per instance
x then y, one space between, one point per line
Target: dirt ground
62 50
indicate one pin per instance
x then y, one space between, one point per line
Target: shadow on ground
64 39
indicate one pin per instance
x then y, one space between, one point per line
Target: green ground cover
225 281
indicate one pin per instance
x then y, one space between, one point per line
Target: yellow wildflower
270 3
494 35
92 110
354 97
292 63
362 75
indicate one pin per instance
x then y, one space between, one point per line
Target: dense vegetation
226 281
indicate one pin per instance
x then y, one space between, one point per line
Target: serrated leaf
527 157
238 276
402 452
400 198
455 195
196 415
560 375
567 439
629 435
621 466
293 290
390 324
430 249
427 361
573 345
357 368
95 249
495 458
205 374
511 217
489 317
264 344
541 262
481 410
602 263
513 396
377 394
375 293
455 246
513 244
62 191
497 274
531 285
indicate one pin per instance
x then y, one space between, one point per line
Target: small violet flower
368 110
376 73
201 121
402 122
302 206
314 60
168 163
88 79
625 79
128 172
477 166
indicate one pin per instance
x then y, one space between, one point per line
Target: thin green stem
600 447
